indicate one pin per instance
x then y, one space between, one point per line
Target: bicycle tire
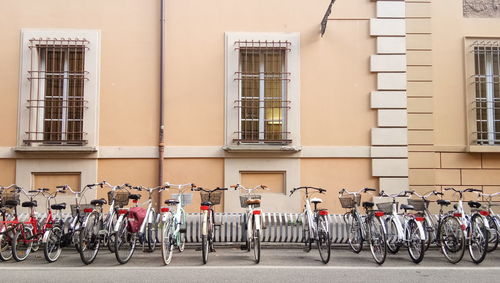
323 242
181 239
429 235
376 236
256 241
6 246
391 236
151 241
124 241
306 234
204 248
167 243
452 239
478 238
110 237
492 234
416 246
52 247
89 241
355 236
21 251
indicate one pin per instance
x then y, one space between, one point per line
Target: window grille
56 100
262 100
486 81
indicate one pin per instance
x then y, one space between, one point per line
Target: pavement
235 265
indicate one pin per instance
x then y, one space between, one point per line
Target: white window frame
232 65
91 89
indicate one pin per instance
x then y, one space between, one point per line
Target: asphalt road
234 265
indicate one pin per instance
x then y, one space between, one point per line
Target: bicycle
369 227
9 200
315 224
98 227
493 222
403 229
174 222
457 231
251 201
209 198
62 234
131 226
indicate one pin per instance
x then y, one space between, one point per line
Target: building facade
395 95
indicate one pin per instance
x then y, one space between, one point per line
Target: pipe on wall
161 144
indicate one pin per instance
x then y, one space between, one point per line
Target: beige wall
7 172
335 174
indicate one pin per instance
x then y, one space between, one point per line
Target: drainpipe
161 144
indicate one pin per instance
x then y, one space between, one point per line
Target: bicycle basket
186 198
214 198
386 207
82 207
418 204
9 196
120 197
243 200
350 201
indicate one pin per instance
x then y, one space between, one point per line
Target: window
56 102
486 83
59 89
262 100
262 91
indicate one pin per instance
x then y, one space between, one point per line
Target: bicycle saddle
253 201
29 204
474 204
367 204
98 202
443 202
58 206
407 207
171 201
11 203
316 200
134 197
206 203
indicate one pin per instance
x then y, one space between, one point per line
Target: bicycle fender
46 236
119 222
84 223
257 222
204 228
421 230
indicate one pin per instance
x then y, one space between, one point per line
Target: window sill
261 148
73 149
483 148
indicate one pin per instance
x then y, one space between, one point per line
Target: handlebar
363 190
197 189
400 194
249 190
320 190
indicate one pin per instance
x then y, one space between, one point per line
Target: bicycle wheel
152 236
256 242
429 235
392 242
52 247
324 242
306 234
6 246
167 245
452 239
109 239
22 243
89 239
492 234
355 236
181 236
376 236
205 245
125 242
416 245
478 239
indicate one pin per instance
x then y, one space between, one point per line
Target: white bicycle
174 221
251 202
